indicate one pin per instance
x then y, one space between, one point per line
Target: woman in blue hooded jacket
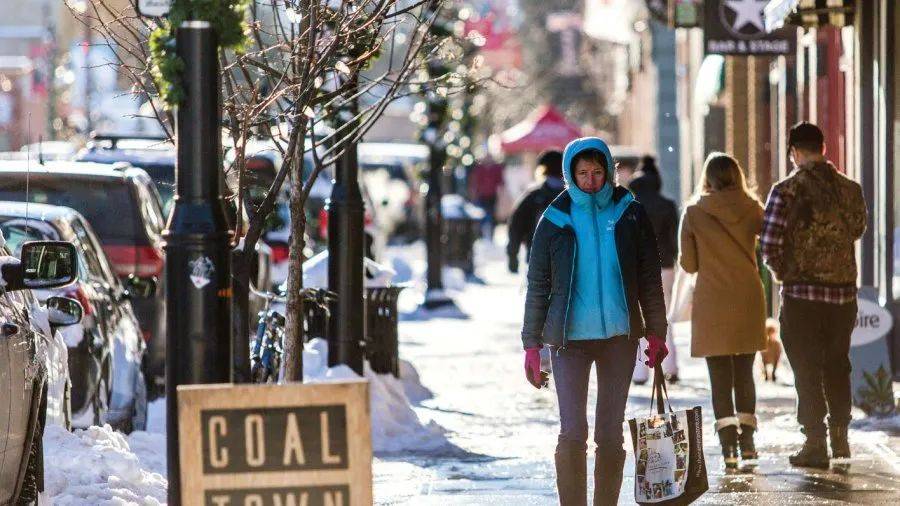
594 289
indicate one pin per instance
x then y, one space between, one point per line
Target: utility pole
198 270
345 253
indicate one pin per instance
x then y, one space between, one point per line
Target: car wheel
33 481
100 401
139 408
31 484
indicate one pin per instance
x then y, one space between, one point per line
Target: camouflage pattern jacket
823 214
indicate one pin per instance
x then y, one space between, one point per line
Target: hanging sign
268 445
737 27
686 13
153 8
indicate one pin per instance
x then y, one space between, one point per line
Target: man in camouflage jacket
813 218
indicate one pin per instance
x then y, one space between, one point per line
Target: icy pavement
502 432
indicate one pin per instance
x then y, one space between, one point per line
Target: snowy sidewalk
502 432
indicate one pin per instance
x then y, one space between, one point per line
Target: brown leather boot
840 444
814 452
571 473
608 465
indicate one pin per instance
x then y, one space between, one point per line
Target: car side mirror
43 264
140 287
64 311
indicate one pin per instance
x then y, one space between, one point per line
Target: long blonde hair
722 172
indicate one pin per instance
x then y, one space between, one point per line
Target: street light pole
434 219
434 224
345 255
198 270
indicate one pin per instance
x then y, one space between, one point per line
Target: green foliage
227 18
877 396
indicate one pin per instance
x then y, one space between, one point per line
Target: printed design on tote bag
662 460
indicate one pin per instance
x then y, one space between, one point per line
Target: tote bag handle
660 392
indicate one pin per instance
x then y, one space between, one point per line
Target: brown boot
571 473
608 465
727 428
814 452
840 444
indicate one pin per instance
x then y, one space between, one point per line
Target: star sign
748 12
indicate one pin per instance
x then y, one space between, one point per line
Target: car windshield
163 175
394 170
94 198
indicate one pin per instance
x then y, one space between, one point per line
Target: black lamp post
198 348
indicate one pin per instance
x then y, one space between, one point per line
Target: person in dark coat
594 291
663 214
531 206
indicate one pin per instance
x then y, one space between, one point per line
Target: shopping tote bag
668 452
682 296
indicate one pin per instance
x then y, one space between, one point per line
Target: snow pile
887 424
99 465
395 425
415 391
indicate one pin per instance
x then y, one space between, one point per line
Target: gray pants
572 366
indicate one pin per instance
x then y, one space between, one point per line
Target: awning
544 128
808 13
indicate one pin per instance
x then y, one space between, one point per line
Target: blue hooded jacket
597 306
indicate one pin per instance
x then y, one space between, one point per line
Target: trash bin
382 346
462 227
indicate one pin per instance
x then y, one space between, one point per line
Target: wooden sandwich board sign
275 445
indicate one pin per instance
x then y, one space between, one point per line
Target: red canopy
545 128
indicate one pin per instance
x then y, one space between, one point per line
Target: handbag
670 468
682 296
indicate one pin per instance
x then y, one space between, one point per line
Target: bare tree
290 82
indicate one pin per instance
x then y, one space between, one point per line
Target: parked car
123 207
263 163
23 375
153 154
391 174
106 353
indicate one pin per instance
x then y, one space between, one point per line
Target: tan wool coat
718 242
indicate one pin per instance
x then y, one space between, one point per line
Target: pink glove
533 371
656 350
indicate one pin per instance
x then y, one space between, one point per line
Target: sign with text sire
737 27
275 445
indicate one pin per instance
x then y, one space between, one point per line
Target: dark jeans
614 359
731 379
816 337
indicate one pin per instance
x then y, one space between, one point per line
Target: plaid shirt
772 244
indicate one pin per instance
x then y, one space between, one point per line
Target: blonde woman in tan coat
719 232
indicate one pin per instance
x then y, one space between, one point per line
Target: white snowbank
101 466
395 425
416 392
888 424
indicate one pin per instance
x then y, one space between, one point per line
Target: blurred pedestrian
484 186
719 230
663 213
591 305
813 218
531 206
